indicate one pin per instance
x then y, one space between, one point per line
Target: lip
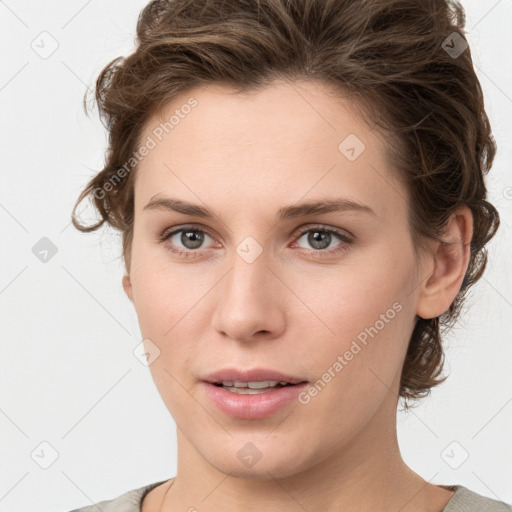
250 375
252 407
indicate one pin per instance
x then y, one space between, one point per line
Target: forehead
280 142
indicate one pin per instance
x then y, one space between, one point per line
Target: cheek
367 318
167 318
355 297
355 370
153 307
370 332
162 294
170 306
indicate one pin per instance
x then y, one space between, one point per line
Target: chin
263 472
266 464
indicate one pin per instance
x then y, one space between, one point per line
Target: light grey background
69 377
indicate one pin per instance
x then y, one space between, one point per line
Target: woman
300 190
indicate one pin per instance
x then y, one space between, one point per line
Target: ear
127 285
447 263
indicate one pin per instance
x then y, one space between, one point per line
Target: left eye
321 238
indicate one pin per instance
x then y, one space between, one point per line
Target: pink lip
252 407
252 375
256 406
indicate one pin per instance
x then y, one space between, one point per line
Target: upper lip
250 375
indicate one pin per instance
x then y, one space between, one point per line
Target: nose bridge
248 278
250 254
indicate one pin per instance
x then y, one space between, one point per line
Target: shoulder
127 502
466 500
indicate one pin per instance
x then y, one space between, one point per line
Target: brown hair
403 62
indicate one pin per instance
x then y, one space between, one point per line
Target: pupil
317 239
188 238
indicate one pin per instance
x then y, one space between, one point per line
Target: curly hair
406 66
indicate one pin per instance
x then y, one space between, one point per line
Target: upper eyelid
323 227
185 227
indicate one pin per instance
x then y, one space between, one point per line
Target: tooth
227 382
261 385
239 384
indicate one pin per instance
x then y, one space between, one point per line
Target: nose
250 301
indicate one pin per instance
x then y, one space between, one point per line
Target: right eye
191 238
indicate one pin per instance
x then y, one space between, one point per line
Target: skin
244 156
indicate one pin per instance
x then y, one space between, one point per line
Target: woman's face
264 284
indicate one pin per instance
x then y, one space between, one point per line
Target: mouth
252 394
253 398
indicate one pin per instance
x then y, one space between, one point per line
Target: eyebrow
287 212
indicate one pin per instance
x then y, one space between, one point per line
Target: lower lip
253 407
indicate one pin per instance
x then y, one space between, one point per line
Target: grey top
464 500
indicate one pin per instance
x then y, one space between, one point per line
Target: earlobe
450 260
127 285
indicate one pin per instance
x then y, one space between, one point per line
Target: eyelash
341 248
